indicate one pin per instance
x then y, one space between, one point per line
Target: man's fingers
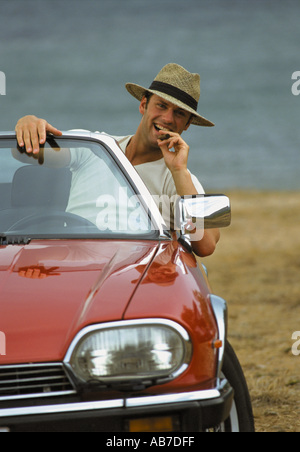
31 132
19 135
43 129
35 142
53 130
27 141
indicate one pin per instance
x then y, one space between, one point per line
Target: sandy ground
256 268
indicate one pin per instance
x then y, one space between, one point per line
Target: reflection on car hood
49 290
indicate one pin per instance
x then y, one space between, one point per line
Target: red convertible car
107 322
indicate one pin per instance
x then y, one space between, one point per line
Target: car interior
45 188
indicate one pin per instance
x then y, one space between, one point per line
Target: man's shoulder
122 140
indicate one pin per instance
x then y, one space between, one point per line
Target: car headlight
147 349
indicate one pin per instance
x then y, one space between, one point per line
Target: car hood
49 290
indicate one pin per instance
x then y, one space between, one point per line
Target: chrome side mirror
202 212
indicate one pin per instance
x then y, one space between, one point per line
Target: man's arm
177 163
207 245
32 131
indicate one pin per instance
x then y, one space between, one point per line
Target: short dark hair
148 96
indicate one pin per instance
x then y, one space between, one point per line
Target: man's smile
159 128
164 129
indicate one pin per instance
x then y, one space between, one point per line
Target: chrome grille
34 380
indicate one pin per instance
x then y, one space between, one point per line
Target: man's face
160 114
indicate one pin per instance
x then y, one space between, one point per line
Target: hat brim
138 92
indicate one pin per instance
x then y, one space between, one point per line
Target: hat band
175 92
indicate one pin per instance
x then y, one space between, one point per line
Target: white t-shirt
86 167
156 175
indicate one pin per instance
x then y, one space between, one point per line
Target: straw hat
178 86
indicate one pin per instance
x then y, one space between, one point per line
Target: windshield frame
158 229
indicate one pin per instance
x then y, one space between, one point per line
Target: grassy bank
256 268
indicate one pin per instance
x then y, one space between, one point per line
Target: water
68 61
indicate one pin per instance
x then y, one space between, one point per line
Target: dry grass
256 268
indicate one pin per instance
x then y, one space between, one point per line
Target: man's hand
175 160
32 131
177 163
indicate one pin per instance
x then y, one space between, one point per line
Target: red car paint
90 283
50 290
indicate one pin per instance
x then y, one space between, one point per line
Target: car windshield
74 188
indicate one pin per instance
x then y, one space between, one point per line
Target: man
157 150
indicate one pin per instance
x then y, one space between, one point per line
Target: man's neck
138 152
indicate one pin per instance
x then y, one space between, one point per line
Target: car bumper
189 412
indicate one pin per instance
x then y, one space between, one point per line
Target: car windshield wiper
13 240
